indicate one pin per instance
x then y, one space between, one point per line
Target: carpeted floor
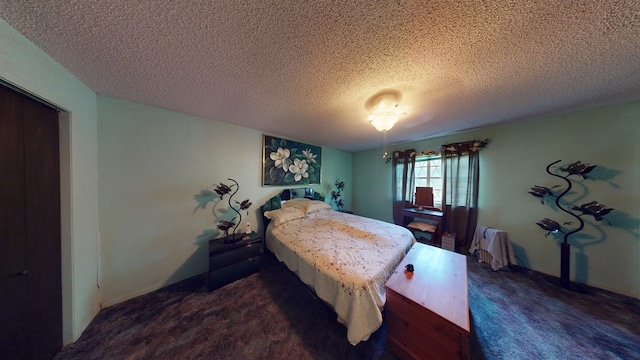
272 315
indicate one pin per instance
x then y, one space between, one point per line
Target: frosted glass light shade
384 116
383 123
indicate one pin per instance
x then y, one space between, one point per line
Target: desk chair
424 196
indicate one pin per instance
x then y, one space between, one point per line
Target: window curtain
461 172
403 180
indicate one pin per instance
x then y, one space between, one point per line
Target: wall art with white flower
288 162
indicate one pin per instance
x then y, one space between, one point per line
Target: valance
404 156
463 148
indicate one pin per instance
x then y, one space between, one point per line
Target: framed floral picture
288 162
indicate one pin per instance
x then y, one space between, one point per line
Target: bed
346 259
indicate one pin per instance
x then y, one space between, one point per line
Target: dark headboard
284 195
309 193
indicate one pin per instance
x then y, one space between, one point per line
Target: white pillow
284 215
298 202
312 206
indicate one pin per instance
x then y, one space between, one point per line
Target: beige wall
515 160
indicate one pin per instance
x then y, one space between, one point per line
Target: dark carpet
272 315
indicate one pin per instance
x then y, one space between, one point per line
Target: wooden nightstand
230 262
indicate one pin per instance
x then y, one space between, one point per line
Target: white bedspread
346 259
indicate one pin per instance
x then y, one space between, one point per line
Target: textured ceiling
304 70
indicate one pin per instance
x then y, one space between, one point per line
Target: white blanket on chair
495 242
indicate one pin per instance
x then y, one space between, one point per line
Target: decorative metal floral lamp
226 225
595 209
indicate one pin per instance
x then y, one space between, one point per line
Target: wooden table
427 311
437 216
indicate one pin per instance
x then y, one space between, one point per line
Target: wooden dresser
427 311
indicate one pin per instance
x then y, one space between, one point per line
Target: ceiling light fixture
384 116
384 112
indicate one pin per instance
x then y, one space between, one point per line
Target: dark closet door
30 275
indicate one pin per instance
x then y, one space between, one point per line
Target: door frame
66 209
66 233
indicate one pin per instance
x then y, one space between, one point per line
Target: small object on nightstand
248 230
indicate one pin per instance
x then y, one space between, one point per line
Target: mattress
346 259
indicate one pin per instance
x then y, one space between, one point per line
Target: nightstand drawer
229 274
234 256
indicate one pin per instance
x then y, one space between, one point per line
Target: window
429 173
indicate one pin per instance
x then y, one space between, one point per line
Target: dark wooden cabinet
229 262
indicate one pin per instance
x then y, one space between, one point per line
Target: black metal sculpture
336 194
593 208
226 225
